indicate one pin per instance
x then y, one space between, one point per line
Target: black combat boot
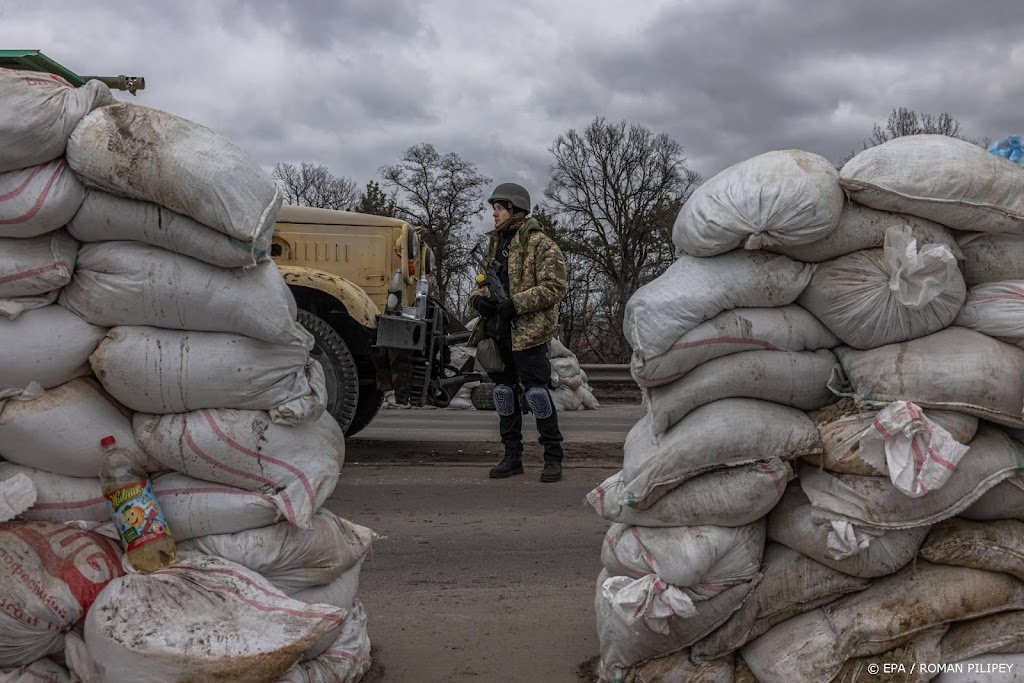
551 439
511 464
552 470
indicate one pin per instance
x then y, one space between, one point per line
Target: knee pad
504 400
540 402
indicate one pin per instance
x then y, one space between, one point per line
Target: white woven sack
782 197
991 668
36 265
997 310
340 593
150 155
991 257
345 661
48 345
104 217
1005 500
38 200
40 671
998 633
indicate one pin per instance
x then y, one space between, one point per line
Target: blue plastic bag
1010 147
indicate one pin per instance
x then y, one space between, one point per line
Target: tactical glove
485 306
506 310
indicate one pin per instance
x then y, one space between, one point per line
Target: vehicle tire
371 398
340 372
482 396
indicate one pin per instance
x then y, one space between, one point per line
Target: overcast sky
353 83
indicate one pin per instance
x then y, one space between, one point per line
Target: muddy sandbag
1002 633
104 217
678 667
781 197
991 668
861 227
883 296
993 546
732 496
49 345
38 200
345 661
803 649
905 663
950 181
1005 500
991 257
248 630
787 328
159 371
40 671
733 431
791 378
341 592
150 155
954 369
790 524
790 584
693 290
36 265
996 309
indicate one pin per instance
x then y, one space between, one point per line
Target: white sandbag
993 668
996 309
60 431
150 155
860 228
955 369
782 197
17 494
843 427
621 622
587 398
38 200
565 399
693 290
992 546
36 265
131 283
13 307
792 378
345 661
340 593
1005 500
790 524
49 345
247 629
702 560
1002 632
949 181
167 371
733 496
51 574
991 257
40 671
791 584
788 328
40 111
912 662
733 431
803 649
565 367
875 503
103 217
678 667
556 349
297 466
290 558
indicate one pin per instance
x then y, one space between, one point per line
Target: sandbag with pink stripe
345 661
37 200
297 466
33 269
43 670
49 345
995 309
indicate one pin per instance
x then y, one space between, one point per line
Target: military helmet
512 193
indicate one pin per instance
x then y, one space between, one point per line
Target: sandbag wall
136 300
828 473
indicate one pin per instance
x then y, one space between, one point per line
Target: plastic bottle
420 302
144 533
395 293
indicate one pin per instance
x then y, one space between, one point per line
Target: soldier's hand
506 310
485 306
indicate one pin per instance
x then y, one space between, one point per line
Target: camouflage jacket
536 284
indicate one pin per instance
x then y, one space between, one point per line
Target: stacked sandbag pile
165 326
570 388
918 437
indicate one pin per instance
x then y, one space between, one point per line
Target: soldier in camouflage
531 268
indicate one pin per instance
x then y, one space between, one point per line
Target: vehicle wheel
371 398
482 396
340 372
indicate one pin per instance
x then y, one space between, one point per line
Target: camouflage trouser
527 376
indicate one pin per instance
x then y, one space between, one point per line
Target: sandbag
950 181
803 649
678 667
40 111
17 494
993 546
694 290
991 257
297 466
1002 632
60 430
340 593
150 155
883 296
733 496
556 349
40 671
345 661
993 668
788 328
248 629
997 310
48 345
104 217
955 369
51 574
587 397
1005 500
703 560
860 228
790 524
913 662
781 197
166 371
38 200
791 584
565 399
131 283
792 378
36 265
733 431
290 558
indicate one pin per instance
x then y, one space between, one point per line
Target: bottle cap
107 441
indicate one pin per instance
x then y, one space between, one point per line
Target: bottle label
137 514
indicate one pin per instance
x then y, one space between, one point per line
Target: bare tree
314 185
616 190
905 121
375 201
442 194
